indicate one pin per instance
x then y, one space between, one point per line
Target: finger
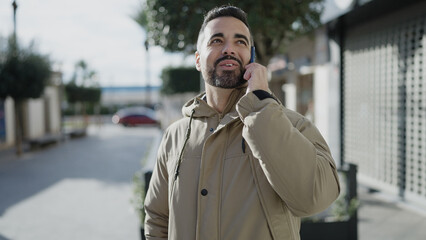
249 65
247 74
249 71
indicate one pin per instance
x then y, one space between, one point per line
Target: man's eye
216 41
241 42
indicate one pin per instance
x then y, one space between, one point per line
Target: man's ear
197 61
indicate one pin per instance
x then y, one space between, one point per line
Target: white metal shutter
384 102
415 50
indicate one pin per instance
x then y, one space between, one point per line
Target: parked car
133 116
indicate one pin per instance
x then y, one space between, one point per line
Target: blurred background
87 87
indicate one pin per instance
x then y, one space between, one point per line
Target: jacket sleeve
156 200
292 153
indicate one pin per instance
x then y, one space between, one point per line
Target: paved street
77 189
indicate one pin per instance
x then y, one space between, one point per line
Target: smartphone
253 54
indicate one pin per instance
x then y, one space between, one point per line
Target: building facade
363 76
383 63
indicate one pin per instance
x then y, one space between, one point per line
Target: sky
101 32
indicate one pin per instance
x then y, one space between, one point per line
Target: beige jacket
248 174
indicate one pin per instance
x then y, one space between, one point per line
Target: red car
133 116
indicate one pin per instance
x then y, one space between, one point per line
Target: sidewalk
380 218
78 189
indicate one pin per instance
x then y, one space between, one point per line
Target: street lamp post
148 87
18 103
15 6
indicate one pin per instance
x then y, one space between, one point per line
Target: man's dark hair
223 11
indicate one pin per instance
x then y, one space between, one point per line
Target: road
77 189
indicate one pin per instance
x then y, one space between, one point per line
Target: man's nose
228 49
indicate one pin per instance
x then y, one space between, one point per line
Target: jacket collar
202 109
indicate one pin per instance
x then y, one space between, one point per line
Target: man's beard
228 79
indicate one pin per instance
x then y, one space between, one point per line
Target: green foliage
174 24
180 80
83 86
83 75
82 94
23 72
92 109
138 197
342 209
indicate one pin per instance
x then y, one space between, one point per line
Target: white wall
327 106
10 121
52 95
321 100
290 95
35 118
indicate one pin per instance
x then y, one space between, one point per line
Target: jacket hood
202 109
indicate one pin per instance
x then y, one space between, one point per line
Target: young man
239 165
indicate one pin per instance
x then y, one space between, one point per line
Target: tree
23 75
173 80
174 24
83 75
83 88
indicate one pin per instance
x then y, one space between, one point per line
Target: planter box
344 230
142 230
